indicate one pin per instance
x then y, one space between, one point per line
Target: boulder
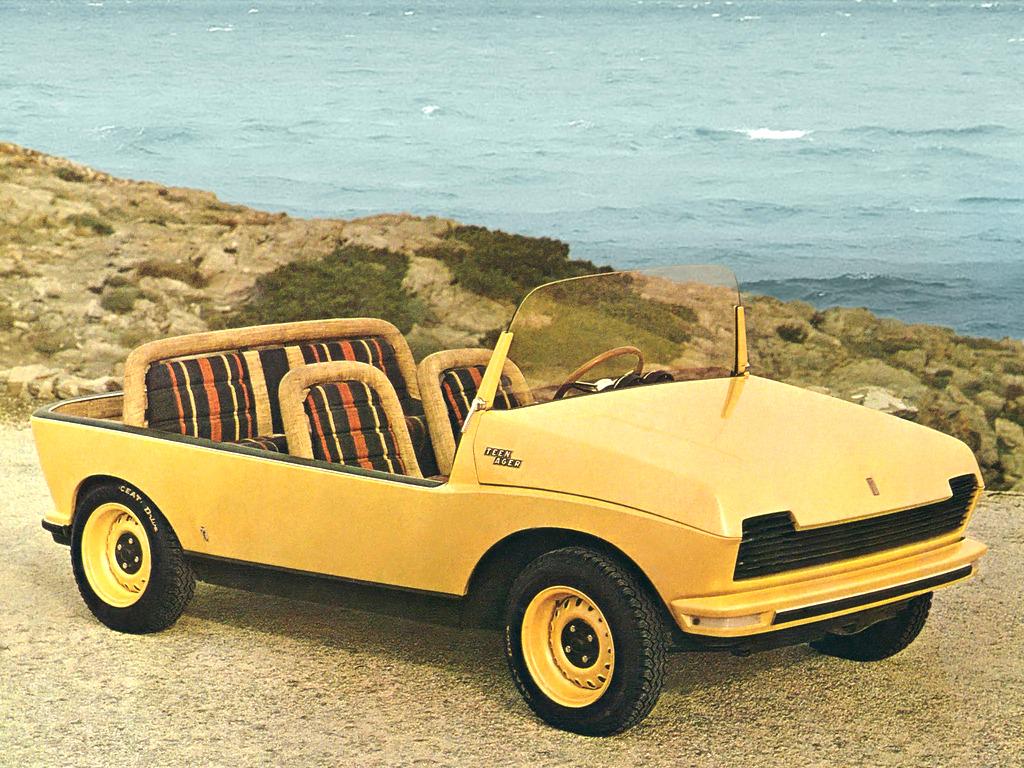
880 399
23 379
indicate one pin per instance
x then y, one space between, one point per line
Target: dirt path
247 679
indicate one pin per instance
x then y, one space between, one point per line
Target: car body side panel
298 516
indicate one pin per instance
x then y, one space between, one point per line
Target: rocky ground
246 680
92 265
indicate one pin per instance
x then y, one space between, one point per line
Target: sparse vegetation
350 282
51 341
120 299
6 317
503 266
69 174
794 333
92 223
182 271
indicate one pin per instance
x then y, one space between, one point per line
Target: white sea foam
430 109
254 10
749 18
772 134
227 28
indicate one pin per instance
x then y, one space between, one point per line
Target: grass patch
50 342
351 282
92 223
503 266
182 271
794 333
69 174
120 299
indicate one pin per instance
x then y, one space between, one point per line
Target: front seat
448 382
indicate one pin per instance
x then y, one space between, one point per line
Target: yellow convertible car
609 484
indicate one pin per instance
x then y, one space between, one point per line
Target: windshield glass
640 327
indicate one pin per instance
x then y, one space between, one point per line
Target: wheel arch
87 485
492 577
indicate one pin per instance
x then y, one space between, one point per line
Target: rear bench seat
223 385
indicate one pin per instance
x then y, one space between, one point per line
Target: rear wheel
585 643
881 640
127 561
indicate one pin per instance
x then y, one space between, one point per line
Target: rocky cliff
92 265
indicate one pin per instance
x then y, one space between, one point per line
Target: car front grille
771 543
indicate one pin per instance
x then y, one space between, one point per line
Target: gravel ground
246 679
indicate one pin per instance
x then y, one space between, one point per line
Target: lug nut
568 649
572 627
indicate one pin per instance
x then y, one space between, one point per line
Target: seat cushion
459 386
349 425
373 350
209 396
422 444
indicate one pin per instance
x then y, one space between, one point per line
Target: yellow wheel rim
116 556
567 646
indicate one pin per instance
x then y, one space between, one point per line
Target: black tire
171 581
881 640
637 629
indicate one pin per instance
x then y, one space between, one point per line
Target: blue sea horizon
835 151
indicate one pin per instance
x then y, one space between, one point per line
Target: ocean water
845 152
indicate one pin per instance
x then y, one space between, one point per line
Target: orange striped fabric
349 425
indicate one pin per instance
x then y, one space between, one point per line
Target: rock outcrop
92 265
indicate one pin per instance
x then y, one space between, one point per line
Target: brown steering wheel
573 380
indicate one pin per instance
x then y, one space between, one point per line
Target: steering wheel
573 381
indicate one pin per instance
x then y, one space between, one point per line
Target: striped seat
448 383
223 385
347 413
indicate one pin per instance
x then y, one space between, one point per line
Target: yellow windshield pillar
492 376
742 360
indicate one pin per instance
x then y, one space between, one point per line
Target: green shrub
121 299
794 333
978 342
50 342
88 221
183 271
503 266
351 282
6 317
129 338
69 174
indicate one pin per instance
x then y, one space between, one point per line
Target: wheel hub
580 643
128 553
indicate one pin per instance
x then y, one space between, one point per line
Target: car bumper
790 605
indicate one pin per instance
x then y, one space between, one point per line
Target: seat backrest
223 385
347 413
448 382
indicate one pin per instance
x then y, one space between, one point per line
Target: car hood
710 453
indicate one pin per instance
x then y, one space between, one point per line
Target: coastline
92 265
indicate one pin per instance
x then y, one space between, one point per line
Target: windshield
640 327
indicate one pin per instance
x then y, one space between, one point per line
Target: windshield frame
492 374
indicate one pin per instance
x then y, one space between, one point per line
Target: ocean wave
754 134
982 200
854 288
985 129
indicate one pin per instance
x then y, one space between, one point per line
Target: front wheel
127 561
585 643
881 640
